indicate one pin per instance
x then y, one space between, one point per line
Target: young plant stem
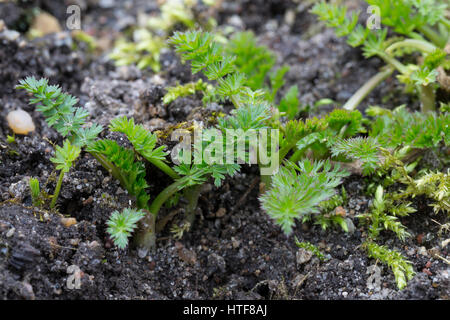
362 92
298 154
285 150
445 22
235 100
192 194
57 190
427 98
146 234
431 34
164 195
267 181
420 45
393 62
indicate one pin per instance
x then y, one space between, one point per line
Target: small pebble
45 23
10 232
340 211
221 212
11 35
67 222
423 251
20 122
303 256
289 17
93 245
74 242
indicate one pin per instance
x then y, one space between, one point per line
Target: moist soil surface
233 251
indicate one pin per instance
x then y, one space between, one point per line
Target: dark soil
234 251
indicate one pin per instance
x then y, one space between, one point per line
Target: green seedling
426 30
123 163
310 247
329 216
35 192
11 139
406 133
400 127
240 69
188 89
122 224
229 68
60 112
380 219
297 191
402 269
149 40
64 159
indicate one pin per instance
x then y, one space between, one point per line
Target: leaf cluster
310 247
125 168
241 68
433 185
297 190
122 224
65 156
406 16
359 149
187 89
148 41
402 269
59 110
380 219
144 50
143 141
401 127
253 60
422 22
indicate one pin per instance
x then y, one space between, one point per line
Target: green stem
285 150
296 156
165 168
164 195
57 189
420 45
146 235
445 22
362 92
393 62
433 36
192 195
427 98
267 181
235 100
